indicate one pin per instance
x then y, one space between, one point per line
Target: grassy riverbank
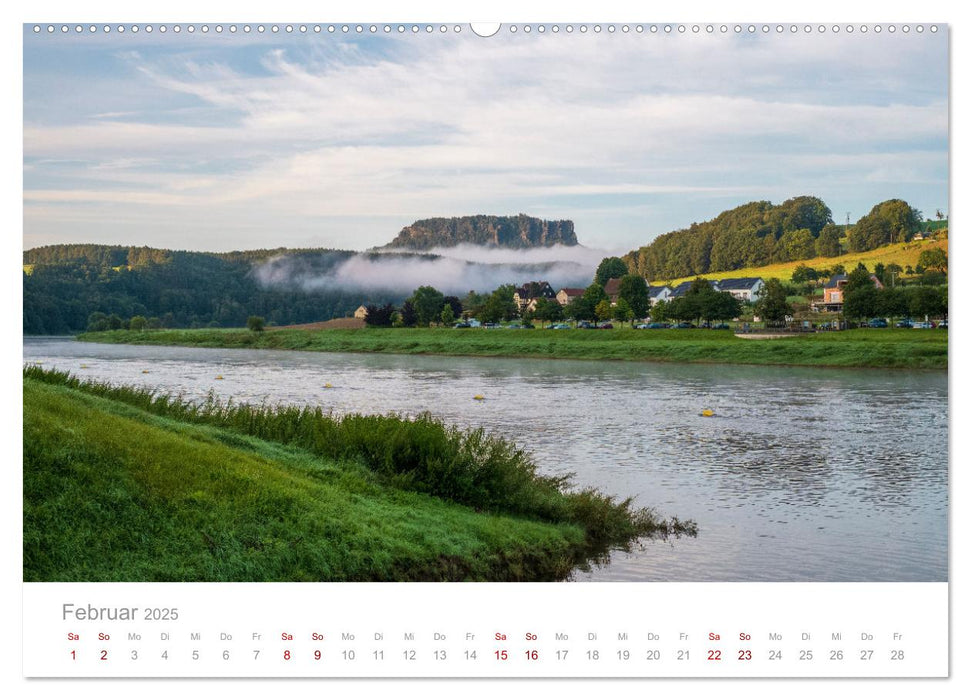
883 347
121 484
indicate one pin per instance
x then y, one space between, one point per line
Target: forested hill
64 284
760 233
520 231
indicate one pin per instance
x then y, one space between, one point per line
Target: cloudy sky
233 141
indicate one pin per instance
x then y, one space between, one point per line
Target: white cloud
446 125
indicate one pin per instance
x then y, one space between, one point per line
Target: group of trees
889 222
760 233
862 299
64 285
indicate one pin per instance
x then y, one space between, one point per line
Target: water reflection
799 474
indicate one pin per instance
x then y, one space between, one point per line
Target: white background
896 11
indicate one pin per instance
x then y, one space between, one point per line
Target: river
799 474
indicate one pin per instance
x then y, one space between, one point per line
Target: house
360 312
531 292
742 288
568 295
662 293
833 293
683 288
612 290
919 236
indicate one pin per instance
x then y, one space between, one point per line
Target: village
743 304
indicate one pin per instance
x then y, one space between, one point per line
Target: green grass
888 348
121 484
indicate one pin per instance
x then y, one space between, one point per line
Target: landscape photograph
570 302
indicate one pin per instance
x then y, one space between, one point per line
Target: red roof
612 288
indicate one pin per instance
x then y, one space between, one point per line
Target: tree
548 310
137 323
935 259
809 213
500 306
678 310
610 268
892 273
409 317
473 303
828 241
892 302
428 303
584 308
861 302
880 272
858 279
772 305
98 321
447 315
623 311
804 273
603 310
456 305
795 245
892 221
379 316
633 290
659 312
720 306
256 323
928 301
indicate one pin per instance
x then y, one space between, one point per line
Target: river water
800 474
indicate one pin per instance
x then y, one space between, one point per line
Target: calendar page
553 350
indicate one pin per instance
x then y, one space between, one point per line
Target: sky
238 141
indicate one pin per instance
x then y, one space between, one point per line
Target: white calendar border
602 10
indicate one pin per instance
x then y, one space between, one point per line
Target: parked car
877 323
923 325
606 325
721 327
585 324
462 324
642 326
905 323
685 324
942 324
658 324
561 327
491 325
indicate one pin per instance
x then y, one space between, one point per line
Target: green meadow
903 348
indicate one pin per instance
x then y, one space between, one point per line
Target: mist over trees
64 285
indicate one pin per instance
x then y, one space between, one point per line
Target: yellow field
903 254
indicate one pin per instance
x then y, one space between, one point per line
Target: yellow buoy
84 366
144 371
708 413
328 386
219 376
479 397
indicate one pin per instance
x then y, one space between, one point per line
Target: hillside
520 231
64 284
758 234
904 254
